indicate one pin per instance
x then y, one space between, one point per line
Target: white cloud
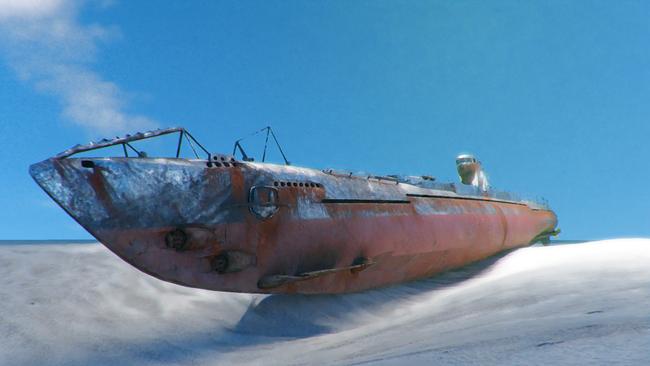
28 8
46 45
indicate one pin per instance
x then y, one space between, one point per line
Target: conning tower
471 172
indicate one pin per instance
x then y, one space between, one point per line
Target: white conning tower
471 172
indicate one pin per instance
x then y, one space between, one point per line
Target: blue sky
552 96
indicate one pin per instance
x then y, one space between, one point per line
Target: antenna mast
269 132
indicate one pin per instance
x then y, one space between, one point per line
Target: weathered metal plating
223 224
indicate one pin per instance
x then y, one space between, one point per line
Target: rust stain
504 223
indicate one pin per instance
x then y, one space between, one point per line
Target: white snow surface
78 304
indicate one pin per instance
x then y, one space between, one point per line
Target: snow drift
78 304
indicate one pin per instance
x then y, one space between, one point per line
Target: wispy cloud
47 45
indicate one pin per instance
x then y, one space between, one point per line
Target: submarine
218 222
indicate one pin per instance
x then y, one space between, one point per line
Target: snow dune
78 304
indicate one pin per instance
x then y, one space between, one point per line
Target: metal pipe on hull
324 233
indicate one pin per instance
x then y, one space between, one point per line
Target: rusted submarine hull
200 224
